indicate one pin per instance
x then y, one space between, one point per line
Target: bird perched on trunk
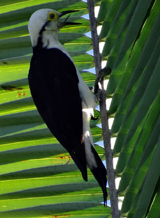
62 98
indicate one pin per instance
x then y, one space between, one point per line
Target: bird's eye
52 16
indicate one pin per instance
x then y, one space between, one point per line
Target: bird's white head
45 23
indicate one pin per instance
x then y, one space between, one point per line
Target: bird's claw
103 72
97 94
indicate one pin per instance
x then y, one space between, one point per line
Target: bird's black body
61 96
54 87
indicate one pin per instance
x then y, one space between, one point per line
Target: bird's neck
47 40
50 39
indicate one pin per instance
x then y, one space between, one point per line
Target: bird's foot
97 94
102 73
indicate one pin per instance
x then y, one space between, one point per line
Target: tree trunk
104 117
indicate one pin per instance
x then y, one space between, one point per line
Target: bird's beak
65 21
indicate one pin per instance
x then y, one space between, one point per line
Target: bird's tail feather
100 173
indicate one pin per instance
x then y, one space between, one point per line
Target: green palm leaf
37 176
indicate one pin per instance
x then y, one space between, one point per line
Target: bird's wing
54 87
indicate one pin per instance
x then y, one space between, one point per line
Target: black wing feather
54 87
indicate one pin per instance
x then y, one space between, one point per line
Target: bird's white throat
50 39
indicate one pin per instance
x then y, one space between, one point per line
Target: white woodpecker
62 98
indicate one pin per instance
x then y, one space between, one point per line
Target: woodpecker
61 96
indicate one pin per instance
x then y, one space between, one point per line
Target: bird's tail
99 173
93 160
82 159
